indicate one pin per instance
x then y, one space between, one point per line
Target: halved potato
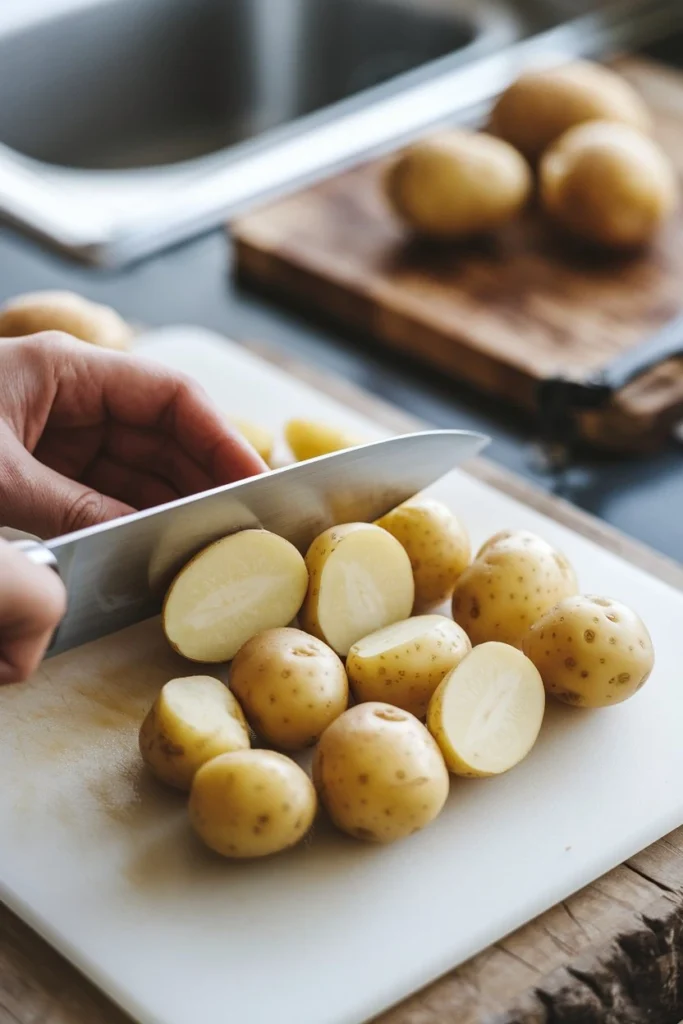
233 589
309 439
360 581
192 720
403 664
487 712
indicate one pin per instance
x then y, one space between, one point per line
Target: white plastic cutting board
99 858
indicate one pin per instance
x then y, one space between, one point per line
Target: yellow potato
403 664
487 712
591 651
515 578
541 105
291 686
360 580
251 803
458 183
608 184
233 589
259 437
64 311
379 773
192 720
308 439
437 545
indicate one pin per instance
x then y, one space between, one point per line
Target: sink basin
135 123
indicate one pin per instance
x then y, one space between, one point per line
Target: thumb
40 501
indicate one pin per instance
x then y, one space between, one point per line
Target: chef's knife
116 573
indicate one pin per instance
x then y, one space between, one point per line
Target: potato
64 311
291 686
251 803
360 580
591 651
458 183
487 712
233 589
379 773
403 664
608 184
192 720
541 105
259 437
309 439
437 545
515 578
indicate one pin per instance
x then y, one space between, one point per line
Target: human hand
87 435
32 603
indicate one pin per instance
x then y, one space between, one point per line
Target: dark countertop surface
193 284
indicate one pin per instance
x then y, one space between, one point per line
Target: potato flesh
487 712
235 588
360 581
192 720
404 663
437 544
251 803
591 651
379 773
308 439
291 686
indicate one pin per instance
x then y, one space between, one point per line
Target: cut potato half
245 583
487 712
360 581
404 663
192 720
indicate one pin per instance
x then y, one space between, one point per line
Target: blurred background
138 137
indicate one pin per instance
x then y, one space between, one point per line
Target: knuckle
86 510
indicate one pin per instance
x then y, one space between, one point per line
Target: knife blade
116 573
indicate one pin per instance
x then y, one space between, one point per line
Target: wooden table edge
612 953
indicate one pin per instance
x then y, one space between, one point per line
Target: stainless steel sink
129 124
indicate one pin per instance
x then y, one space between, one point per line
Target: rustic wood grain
610 954
500 313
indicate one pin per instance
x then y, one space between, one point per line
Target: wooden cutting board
502 313
99 859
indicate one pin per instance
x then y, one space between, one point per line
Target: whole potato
251 803
457 184
403 664
437 545
487 712
192 720
64 311
259 437
379 773
591 651
290 685
359 580
608 184
308 439
515 578
543 104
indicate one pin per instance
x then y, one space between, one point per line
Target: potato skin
457 184
407 675
174 749
608 184
64 311
541 105
261 439
379 773
308 439
515 578
291 686
591 651
437 545
251 803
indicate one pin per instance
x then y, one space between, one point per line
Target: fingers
32 603
40 501
152 451
136 489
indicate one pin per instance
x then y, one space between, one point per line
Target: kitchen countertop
193 284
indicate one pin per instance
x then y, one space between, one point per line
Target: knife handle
37 553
